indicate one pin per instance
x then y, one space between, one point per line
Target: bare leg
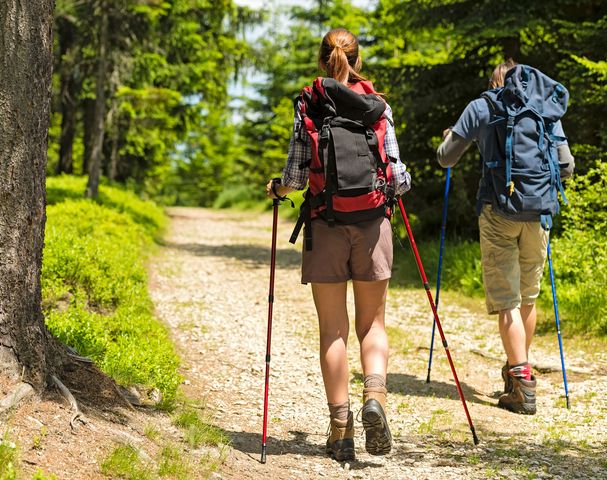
370 301
513 335
330 301
529 317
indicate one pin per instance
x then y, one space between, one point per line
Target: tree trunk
92 188
25 93
88 117
69 90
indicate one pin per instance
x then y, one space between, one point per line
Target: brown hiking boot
507 378
378 439
340 444
521 397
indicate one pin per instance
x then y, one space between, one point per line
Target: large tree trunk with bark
25 92
92 188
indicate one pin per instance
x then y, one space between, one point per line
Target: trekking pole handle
276 201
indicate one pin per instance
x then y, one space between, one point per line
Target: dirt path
210 284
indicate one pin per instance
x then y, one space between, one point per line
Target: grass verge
94 283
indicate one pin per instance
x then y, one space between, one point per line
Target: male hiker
524 154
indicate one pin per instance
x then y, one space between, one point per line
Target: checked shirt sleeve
300 153
401 179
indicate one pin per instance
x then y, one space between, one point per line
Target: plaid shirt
300 153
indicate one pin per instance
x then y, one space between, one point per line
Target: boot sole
341 450
378 439
524 408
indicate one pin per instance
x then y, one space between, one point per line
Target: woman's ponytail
339 56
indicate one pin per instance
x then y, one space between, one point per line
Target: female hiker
344 144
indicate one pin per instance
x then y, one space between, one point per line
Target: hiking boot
521 397
340 444
507 378
378 439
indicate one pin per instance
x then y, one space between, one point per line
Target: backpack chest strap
509 152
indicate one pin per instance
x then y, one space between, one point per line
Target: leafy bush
579 260
247 197
94 283
580 255
461 265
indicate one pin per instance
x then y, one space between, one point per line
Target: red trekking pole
275 204
422 274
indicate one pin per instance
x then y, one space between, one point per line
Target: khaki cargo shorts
513 257
361 251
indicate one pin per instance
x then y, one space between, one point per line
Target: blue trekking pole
440 265
558 322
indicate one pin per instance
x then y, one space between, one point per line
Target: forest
190 103
136 141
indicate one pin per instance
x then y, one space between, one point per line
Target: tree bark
92 188
25 93
88 117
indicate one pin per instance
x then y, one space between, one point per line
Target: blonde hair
499 73
339 56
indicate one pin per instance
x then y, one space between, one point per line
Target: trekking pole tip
568 403
474 437
263 454
428 377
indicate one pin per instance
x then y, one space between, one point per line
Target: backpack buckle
324 131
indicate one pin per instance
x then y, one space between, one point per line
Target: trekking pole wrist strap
277 181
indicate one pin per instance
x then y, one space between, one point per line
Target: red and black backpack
350 174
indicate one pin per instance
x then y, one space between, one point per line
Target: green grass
461 269
173 463
124 462
197 431
40 475
580 265
245 197
8 459
95 287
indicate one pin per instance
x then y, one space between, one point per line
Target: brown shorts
362 251
513 256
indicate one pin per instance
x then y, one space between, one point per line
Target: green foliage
241 196
579 261
8 459
197 430
40 475
580 256
94 284
124 462
433 57
461 266
172 464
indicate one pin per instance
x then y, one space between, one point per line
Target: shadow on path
299 444
247 253
405 384
554 457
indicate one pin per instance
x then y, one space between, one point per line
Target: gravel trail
209 283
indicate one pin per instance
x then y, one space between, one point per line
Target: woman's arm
296 171
400 177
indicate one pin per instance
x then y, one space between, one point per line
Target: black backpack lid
367 108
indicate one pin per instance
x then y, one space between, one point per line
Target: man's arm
566 160
451 150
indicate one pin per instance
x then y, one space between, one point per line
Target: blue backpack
521 173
